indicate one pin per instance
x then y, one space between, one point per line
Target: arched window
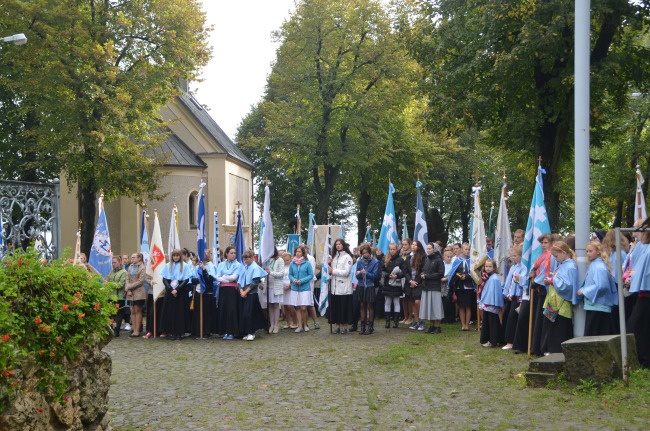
192 202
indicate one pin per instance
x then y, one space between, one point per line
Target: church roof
213 128
179 154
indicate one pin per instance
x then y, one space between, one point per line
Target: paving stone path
393 379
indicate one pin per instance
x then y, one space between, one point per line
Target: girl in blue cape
491 302
639 281
228 294
251 316
176 277
599 291
205 275
513 290
562 295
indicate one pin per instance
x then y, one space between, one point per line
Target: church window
192 206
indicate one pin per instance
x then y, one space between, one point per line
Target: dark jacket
408 273
433 270
396 261
372 272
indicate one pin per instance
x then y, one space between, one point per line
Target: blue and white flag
174 238
144 238
267 246
639 199
100 252
388 232
323 300
201 231
293 241
368 237
240 246
311 240
537 225
405 230
216 252
421 232
477 246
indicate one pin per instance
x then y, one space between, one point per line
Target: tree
506 69
334 101
85 93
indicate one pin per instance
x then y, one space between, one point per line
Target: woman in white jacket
276 290
340 308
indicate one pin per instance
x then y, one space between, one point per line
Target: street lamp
18 39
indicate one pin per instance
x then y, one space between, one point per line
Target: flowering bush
48 311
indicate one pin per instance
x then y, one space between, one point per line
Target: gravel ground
393 379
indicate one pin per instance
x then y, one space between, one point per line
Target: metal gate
30 217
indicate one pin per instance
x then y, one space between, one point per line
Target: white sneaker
306 328
127 327
298 330
249 337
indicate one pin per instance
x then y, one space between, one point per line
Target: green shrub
48 312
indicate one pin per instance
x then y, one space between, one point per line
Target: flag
240 247
323 300
374 238
388 232
368 236
100 252
503 237
405 230
156 259
311 240
639 200
144 238
267 247
477 246
538 223
421 232
343 230
293 241
174 240
201 232
491 227
298 220
216 252
77 248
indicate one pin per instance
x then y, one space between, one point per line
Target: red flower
97 307
67 398
44 262
66 307
59 339
75 302
78 295
7 263
7 373
38 321
5 338
40 409
82 315
19 262
42 352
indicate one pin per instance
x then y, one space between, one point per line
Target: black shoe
430 330
353 328
370 328
362 330
396 320
387 321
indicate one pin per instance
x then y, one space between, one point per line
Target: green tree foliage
83 97
505 68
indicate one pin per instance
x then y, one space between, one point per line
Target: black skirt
340 309
466 297
511 322
229 309
598 323
520 342
209 315
366 294
174 313
639 325
539 330
251 317
490 328
556 333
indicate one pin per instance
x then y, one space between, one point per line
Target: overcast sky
241 58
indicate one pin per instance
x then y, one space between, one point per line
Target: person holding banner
135 293
513 289
118 276
276 290
639 286
204 304
301 274
413 285
250 278
542 268
407 309
340 265
393 284
176 275
229 298
463 287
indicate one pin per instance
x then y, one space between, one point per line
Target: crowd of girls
416 282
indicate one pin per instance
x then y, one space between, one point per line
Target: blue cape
640 280
599 287
248 272
492 293
172 271
229 268
565 281
510 288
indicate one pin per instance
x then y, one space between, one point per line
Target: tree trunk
362 218
436 227
619 213
87 215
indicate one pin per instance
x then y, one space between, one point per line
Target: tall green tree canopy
83 97
505 68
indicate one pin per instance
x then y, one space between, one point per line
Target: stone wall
87 404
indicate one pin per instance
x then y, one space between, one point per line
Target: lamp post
17 39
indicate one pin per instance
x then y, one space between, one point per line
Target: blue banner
100 253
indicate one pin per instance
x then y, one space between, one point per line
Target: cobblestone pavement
393 379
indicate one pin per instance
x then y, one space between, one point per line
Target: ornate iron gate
30 217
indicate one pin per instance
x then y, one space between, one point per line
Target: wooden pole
200 311
530 317
155 329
